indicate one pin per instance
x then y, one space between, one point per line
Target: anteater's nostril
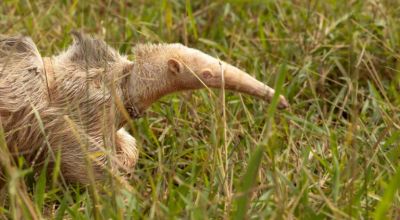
207 74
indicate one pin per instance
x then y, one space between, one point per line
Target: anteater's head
183 68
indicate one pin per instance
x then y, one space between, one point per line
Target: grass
333 155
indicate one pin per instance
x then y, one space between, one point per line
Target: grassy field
333 155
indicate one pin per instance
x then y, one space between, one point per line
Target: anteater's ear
174 66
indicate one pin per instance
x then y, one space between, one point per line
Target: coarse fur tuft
80 118
91 51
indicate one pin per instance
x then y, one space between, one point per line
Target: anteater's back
22 89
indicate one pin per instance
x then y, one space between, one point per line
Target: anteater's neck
147 83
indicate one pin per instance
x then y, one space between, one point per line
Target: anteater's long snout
240 81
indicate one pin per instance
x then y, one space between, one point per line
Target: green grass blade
40 188
248 181
386 202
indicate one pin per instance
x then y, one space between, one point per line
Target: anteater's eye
207 74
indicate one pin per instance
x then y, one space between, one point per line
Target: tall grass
334 154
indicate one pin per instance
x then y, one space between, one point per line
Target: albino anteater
77 103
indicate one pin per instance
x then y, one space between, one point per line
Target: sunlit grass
334 154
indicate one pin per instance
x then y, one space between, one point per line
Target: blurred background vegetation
334 154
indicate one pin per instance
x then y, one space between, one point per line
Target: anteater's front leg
127 153
74 156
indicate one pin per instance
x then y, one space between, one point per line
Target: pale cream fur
82 119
